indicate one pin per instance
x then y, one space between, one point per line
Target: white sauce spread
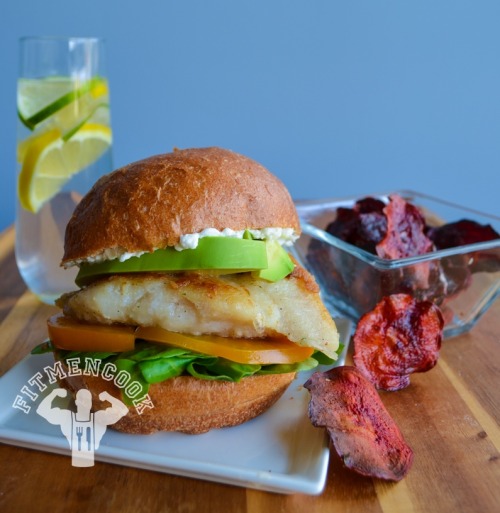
285 236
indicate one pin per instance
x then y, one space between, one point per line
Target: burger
186 285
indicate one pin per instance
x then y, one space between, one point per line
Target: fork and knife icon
88 437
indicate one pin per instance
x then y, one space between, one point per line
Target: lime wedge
33 94
99 113
49 161
39 99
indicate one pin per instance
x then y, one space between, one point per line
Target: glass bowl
464 281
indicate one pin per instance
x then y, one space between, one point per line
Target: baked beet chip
405 236
461 233
363 433
401 335
363 226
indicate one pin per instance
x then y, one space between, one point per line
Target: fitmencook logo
82 428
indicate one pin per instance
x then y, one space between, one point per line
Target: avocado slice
279 263
221 253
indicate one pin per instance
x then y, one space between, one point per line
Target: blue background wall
336 98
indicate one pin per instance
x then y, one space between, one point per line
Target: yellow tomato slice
257 351
71 335
74 336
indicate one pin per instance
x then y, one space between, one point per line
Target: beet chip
363 433
401 335
405 235
460 233
465 232
363 226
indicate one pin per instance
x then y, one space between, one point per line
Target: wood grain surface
449 415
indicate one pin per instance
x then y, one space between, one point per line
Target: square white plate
280 451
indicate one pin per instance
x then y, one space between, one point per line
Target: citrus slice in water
39 99
49 162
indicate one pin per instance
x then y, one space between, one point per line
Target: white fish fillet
236 305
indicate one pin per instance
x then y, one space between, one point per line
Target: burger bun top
149 204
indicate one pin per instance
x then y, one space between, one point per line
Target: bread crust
149 204
188 404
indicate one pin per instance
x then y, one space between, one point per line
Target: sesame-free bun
149 204
188 404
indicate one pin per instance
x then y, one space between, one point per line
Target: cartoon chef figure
83 429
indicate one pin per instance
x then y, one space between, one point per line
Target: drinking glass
63 147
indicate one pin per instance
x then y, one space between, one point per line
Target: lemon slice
49 162
40 99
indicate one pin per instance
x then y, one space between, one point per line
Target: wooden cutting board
449 415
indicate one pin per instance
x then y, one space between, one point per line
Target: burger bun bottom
188 404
